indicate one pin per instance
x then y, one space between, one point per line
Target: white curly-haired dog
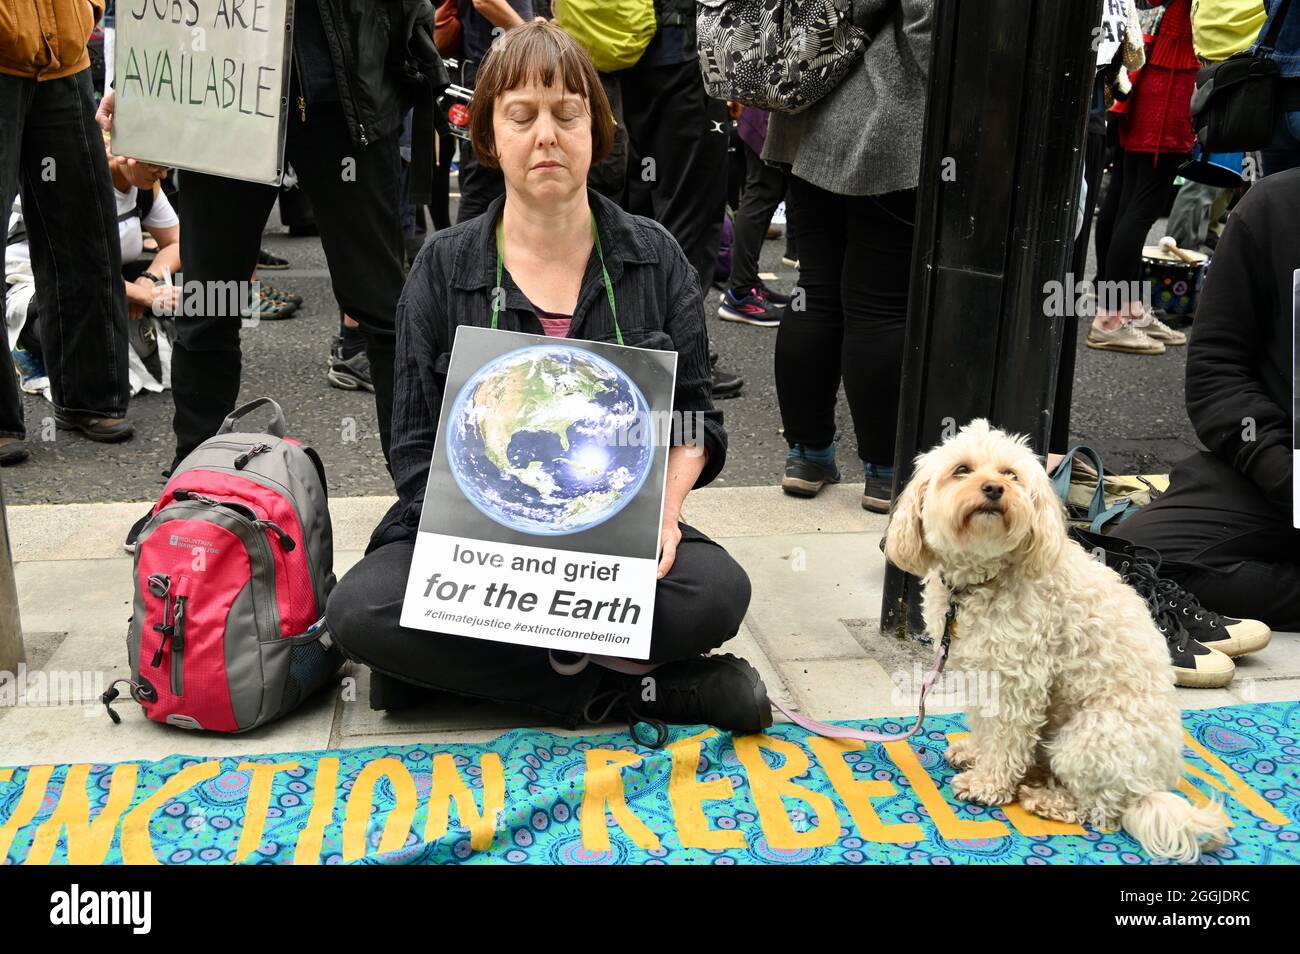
1085 728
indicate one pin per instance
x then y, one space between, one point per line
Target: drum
1175 284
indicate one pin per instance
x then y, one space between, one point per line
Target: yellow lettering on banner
307 851
29 803
1026 822
687 795
604 793
770 785
448 786
259 800
137 844
357 819
88 841
1237 786
857 793
945 819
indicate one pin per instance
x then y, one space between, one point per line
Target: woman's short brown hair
540 51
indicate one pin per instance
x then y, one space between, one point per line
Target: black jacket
659 306
1239 361
367 48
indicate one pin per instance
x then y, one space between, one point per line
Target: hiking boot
105 430
807 470
878 494
349 374
1157 330
1226 634
750 306
722 691
1127 338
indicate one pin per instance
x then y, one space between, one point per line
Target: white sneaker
1154 328
1127 338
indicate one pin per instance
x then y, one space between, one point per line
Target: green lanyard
609 288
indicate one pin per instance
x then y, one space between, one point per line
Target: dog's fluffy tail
1168 826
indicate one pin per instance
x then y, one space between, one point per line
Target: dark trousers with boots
699 605
356 193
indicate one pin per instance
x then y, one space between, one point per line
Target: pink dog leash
864 735
630 668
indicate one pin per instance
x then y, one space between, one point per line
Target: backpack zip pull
286 541
242 460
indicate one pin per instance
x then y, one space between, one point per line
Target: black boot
722 691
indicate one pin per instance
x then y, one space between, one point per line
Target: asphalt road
1129 408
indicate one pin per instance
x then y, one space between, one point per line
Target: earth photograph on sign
542 512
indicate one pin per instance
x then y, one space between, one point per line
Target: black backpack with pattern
779 55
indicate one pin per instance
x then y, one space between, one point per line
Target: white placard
203 84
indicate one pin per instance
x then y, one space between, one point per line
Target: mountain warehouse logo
177 540
75 907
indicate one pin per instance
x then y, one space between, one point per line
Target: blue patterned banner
534 797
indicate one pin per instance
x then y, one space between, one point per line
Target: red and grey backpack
232 572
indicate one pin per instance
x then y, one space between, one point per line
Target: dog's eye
961 471
1012 474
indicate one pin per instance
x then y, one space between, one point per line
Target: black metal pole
996 211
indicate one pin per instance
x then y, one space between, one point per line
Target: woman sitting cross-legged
541 115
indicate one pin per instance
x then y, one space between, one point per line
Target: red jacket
1158 117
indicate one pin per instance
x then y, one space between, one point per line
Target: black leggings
1136 197
699 605
855 261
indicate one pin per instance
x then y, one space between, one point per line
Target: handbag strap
1061 479
1265 44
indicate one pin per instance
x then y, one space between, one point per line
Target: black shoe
805 477
13 450
722 691
95 428
878 491
349 374
1196 666
726 385
390 694
1230 636
266 260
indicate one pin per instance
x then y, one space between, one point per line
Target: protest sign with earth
542 511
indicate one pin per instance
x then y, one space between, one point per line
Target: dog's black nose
992 491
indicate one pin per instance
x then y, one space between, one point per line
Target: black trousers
1222 540
1135 198
51 148
765 187
855 260
355 193
699 605
677 169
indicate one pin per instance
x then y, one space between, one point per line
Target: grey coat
864 137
